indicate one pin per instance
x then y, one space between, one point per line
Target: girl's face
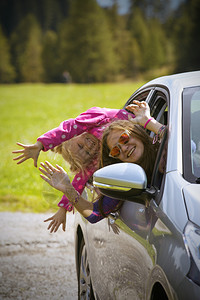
131 149
85 146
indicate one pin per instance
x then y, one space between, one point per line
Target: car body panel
172 203
192 191
141 250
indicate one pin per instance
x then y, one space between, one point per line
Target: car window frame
159 93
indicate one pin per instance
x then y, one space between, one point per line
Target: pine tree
140 33
87 49
186 36
122 41
156 51
26 47
7 72
50 57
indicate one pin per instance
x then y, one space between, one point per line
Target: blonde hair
74 160
76 165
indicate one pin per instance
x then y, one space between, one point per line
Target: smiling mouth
131 151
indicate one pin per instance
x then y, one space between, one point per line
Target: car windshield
191 133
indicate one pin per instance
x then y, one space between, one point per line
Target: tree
7 72
153 8
26 49
123 45
49 13
186 36
50 57
140 33
156 52
86 48
153 49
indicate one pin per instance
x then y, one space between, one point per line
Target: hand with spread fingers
57 219
56 177
141 111
29 151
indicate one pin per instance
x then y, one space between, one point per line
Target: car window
157 100
191 134
142 96
159 110
160 165
195 134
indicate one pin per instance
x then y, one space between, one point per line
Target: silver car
150 248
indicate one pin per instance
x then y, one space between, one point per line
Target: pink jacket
93 121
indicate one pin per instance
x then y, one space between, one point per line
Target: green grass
27 111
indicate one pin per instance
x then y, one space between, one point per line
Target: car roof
181 80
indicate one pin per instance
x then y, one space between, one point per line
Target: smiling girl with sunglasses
136 146
127 141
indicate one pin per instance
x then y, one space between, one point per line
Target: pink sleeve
120 114
69 128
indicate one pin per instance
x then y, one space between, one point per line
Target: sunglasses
123 139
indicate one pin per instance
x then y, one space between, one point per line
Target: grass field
27 111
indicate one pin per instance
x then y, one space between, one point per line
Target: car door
120 245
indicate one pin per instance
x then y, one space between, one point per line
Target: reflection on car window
143 96
159 110
160 164
191 133
163 159
195 134
140 97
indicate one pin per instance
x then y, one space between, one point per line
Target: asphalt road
35 264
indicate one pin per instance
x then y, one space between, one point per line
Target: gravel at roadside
35 264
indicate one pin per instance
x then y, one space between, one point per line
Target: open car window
142 96
159 110
157 99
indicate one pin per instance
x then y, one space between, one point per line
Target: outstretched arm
28 151
141 111
58 178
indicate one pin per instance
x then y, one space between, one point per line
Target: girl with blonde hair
78 141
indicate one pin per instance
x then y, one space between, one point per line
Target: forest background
102 55
82 42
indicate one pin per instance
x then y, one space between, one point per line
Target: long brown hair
150 150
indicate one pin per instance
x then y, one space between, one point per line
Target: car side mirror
123 181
